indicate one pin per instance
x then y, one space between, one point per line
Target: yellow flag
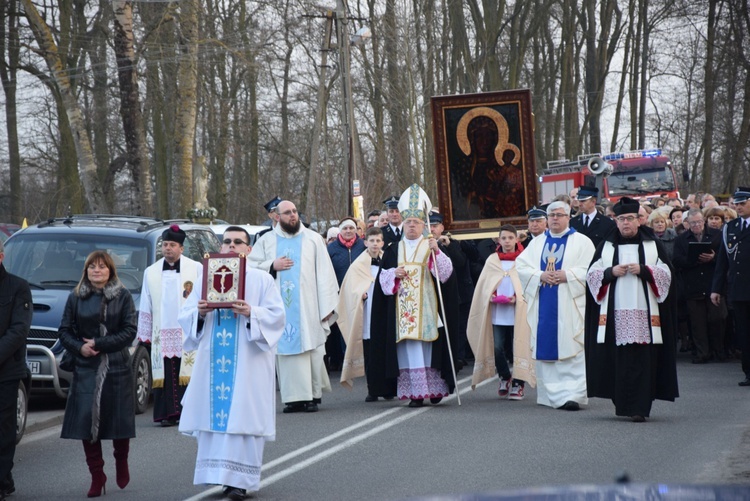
24 224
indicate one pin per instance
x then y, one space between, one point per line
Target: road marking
339 447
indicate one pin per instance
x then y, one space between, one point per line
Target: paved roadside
41 420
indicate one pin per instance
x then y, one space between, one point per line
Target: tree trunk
187 109
133 123
710 85
9 43
87 165
96 123
396 102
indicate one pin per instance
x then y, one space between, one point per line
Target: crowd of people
588 301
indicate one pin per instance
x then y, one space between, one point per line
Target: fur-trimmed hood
111 290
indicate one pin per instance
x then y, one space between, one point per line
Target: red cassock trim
602 292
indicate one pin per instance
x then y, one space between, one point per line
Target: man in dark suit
696 276
733 273
392 232
463 283
588 221
15 321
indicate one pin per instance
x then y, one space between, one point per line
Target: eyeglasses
696 223
236 241
288 212
626 219
557 215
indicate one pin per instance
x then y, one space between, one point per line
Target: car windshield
640 182
55 261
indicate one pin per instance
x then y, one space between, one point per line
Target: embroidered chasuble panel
416 304
224 345
289 280
547 331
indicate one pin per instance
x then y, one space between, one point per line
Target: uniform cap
391 202
271 204
742 194
535 213
586 192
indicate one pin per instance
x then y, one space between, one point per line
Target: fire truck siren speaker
599 167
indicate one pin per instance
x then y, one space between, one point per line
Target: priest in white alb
552 270
230 404
166 285
298 259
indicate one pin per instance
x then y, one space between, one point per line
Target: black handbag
68 360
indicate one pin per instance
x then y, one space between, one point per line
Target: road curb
33 425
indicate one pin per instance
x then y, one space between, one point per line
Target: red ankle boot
96 467
122 448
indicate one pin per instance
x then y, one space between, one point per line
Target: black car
50 257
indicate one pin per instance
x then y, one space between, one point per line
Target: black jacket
81 319
597 231
461 269
733 264
696 278
16 310
389 237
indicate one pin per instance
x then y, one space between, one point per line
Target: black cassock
382 368
633 375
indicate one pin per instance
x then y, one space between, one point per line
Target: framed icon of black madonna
485 160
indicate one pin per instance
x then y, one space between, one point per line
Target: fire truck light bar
633 154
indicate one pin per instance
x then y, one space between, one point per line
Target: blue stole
291 341
546 335
223 367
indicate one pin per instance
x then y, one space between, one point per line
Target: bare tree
48 48
133 123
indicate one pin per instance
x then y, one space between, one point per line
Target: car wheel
142 377
22 409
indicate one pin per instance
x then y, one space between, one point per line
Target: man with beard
630 345
298 259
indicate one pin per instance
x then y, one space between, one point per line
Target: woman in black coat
98 326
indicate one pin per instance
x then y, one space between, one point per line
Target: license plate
34 367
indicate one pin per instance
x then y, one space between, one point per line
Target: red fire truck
637 174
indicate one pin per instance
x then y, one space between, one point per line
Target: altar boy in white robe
230 405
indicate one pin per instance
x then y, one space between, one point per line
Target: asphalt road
357 450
